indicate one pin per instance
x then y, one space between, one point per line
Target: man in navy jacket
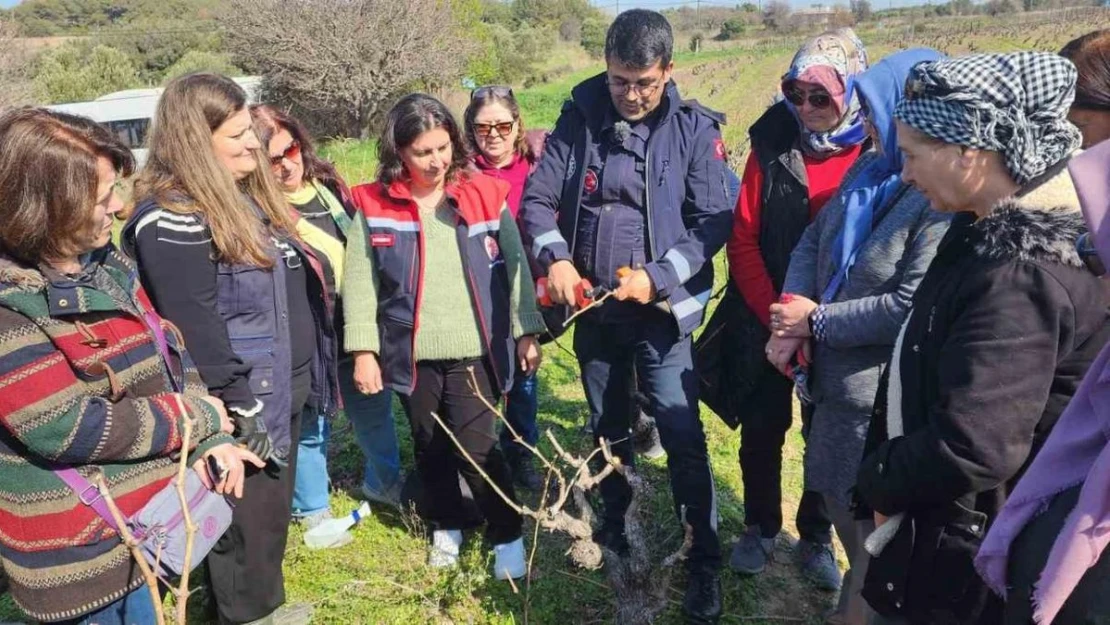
633 176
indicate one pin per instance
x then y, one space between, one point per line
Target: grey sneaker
818 564
752 552
390 497
310 521
288 614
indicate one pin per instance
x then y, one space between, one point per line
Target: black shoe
702 603
525 475
611 536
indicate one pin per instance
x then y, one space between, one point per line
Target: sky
8 3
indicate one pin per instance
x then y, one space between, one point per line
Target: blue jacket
688 203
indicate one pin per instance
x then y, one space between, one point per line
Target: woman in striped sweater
84 383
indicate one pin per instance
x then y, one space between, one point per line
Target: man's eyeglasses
642 88
291 152
498 91
503 129
797 97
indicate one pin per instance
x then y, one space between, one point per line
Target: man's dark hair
640 38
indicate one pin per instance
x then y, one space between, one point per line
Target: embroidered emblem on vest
571 166
590 183
719 149
381 240
493 250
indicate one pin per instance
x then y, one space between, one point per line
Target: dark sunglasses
503 129
291 152
797 97
498 91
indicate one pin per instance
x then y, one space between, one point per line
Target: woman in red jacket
801 149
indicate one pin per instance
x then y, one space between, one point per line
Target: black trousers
443 387
762 436
244 568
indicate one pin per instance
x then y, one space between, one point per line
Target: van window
132 132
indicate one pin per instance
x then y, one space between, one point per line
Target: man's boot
702 603
525 475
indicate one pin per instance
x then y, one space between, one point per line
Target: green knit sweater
448 327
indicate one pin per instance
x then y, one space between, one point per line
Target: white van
128 113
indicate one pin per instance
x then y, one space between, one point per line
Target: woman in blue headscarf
847 291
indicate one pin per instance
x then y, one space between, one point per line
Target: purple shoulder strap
88 493
155 324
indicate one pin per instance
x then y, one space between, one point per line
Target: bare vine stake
638 585
182 593
133 545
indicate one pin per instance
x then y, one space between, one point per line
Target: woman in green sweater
440 308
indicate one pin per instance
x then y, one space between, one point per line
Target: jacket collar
1040 225
67 295
399 191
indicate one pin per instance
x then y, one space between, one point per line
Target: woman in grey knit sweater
848 289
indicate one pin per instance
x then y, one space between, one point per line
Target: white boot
445 548
508 561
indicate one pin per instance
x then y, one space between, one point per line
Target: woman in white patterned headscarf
1003 326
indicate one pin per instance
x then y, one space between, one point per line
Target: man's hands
562 280
637 287
231 458
368 374
528 354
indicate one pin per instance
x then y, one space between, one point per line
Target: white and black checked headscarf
1015 104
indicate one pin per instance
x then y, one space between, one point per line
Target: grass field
381 577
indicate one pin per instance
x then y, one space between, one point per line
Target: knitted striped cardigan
82 384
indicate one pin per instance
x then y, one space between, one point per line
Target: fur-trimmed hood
14 274
1041 225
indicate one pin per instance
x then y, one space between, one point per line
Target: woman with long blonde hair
217 249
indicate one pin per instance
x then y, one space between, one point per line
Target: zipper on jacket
647 199
581 185
419 291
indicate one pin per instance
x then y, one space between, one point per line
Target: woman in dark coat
1003 327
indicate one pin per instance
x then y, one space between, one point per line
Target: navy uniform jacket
688 197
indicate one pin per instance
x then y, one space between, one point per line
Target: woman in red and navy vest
439 307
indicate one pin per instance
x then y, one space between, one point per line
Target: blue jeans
134 608
664 363
371 416
521 405
311 481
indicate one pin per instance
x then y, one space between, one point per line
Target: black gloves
251 433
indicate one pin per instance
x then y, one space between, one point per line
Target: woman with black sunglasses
802 147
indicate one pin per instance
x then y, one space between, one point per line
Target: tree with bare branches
13 67
347 60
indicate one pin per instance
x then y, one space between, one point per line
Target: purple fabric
1076 451
88 493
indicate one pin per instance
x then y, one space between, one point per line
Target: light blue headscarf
870 190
